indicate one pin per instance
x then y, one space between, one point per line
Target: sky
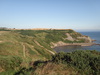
67 14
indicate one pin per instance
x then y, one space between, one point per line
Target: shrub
86 62
10 62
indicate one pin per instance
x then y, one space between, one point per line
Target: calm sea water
93 35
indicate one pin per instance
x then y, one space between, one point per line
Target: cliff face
85 40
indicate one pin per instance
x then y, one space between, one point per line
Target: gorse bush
86 62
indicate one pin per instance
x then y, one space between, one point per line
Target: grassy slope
12 46
24 46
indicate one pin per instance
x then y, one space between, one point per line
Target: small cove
70 48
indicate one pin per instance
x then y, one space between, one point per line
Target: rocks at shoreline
60 43
97 44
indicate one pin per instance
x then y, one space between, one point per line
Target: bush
86 62
74 63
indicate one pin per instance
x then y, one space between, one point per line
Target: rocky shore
88 41
60 43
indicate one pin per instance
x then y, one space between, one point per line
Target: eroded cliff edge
81 40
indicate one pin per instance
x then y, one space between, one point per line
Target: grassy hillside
18 48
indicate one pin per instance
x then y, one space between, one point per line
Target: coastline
83 44
60 43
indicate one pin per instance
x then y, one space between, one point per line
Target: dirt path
0 41
23 49
43 47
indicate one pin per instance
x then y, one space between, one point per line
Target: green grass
10 62
10 72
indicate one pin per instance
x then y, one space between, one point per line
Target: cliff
20 47
75 39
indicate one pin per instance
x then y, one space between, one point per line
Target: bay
93 35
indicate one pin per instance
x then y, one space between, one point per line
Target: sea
93 34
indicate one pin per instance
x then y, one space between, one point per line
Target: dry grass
55 69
